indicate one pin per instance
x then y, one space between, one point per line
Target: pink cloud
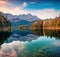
12 54
56 43
10 49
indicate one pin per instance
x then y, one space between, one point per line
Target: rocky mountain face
27 17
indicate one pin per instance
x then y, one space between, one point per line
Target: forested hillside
47 24
5 25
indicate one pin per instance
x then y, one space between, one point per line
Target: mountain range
23 19
26 17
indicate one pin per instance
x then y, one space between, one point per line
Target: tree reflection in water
45 32
4 36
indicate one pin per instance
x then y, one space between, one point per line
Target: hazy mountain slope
27 17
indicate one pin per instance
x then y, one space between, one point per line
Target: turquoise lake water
32 43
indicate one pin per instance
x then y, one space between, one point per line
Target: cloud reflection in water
41 47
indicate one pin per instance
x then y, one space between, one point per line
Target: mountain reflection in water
32 43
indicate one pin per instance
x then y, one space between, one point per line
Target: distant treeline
47 24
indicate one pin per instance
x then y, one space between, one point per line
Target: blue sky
41 8
37 4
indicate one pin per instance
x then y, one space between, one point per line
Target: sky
41 8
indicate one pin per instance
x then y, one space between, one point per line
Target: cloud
56 43
16 45
11 49
46 13
12 54
5 4
7 7
24 4
32 2
14 11
17 11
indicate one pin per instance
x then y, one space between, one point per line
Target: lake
30 43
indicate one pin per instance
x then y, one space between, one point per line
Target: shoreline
49 28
